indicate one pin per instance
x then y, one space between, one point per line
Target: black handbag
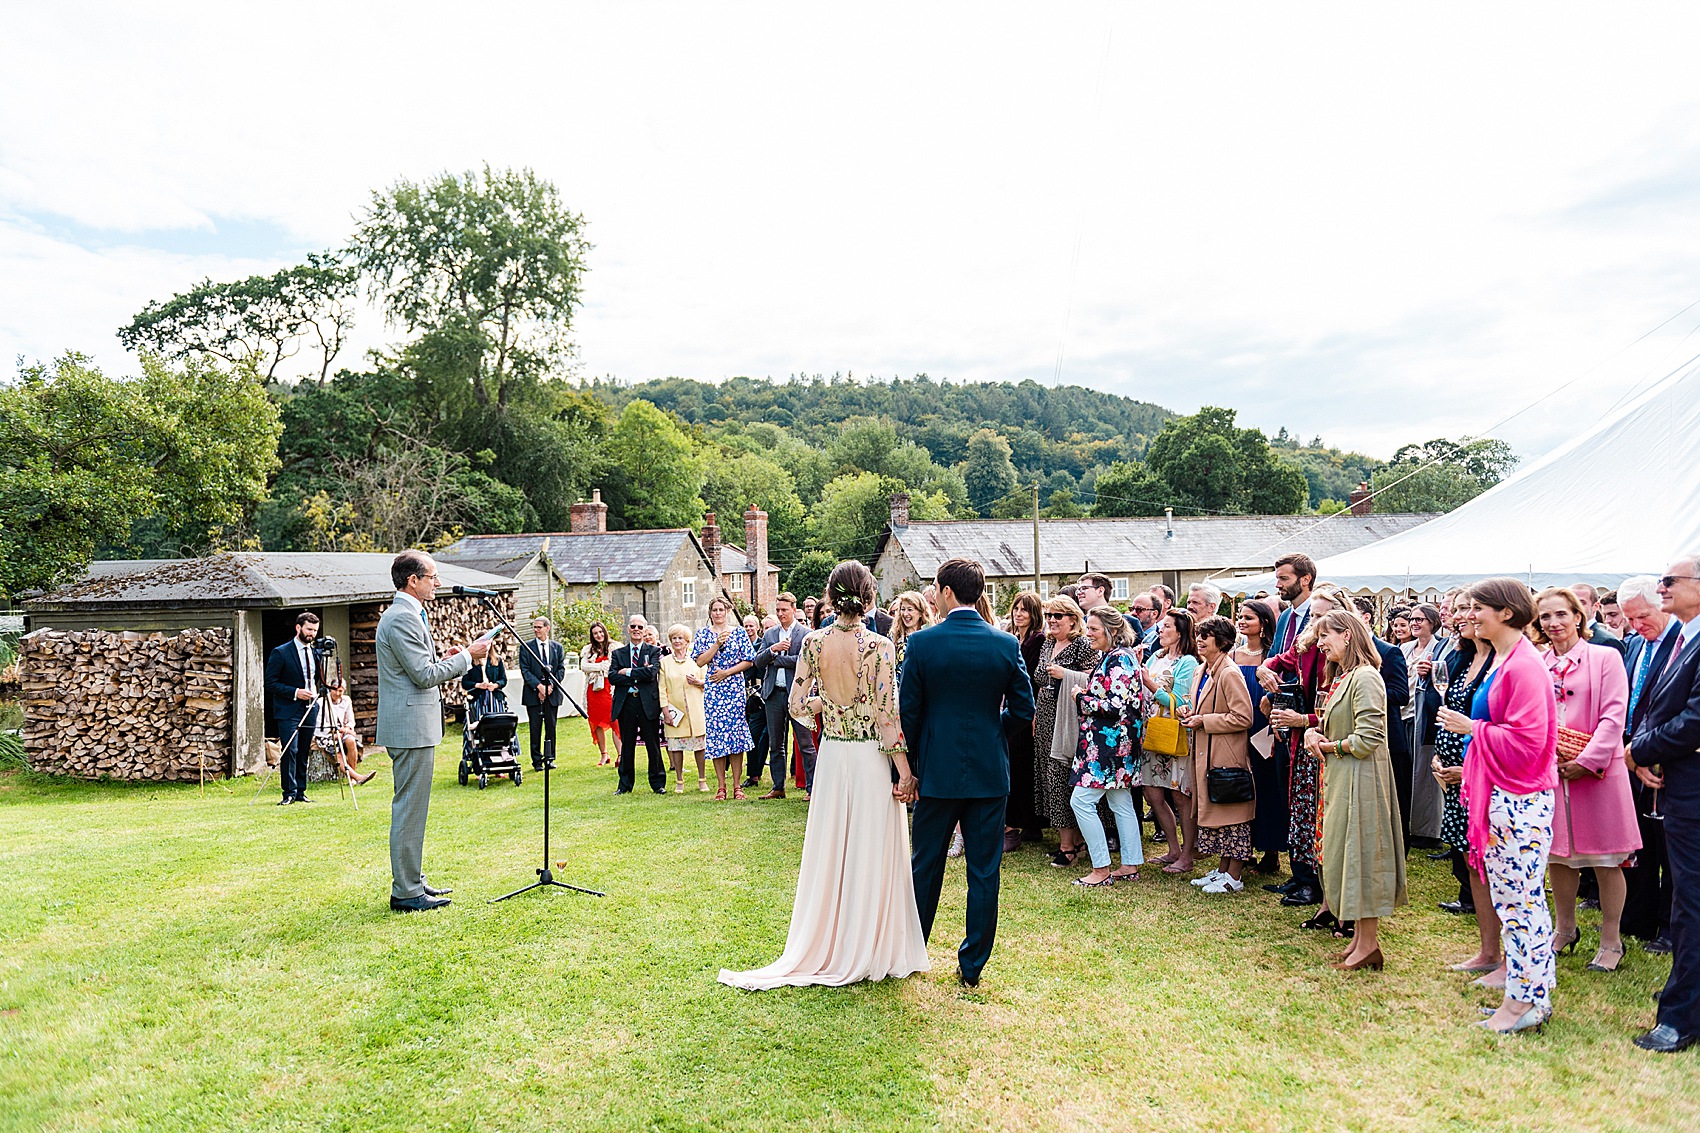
1226 785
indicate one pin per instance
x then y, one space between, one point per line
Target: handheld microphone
473 591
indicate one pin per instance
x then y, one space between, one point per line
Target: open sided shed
95 650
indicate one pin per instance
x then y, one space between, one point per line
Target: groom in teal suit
963 681
410 720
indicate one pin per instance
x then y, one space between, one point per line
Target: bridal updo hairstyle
850 589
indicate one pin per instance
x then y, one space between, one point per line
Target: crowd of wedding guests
1530 739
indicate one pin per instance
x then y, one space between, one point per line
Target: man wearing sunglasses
1666 753
632 670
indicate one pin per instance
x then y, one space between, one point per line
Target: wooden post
1036 536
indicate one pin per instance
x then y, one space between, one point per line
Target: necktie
426 622
1676 654
307 667
1647 652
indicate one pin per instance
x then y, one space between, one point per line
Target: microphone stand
545 878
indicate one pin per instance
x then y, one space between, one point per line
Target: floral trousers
1304 793
1519 840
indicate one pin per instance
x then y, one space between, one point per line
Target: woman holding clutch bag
1363 853
683 723
1593 822
1219 719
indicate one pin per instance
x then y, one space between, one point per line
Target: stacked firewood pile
128 705
454 621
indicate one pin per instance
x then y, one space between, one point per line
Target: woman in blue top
1167 780
723 649
1256 622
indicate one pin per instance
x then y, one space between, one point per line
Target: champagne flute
1654 814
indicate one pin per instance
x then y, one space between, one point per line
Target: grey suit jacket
410 708
769 665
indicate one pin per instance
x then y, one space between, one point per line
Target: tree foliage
83 457
1439 475
1128 487
263 321
656 474
1211 465
485 267
987 470
809 573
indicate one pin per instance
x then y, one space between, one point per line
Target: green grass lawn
178 961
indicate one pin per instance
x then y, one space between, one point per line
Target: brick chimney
762 590
900 509
711 543
1360 499
592 516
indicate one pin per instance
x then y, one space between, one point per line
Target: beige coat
1222 740
1363 858
676 692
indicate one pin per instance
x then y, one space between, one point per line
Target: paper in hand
489 634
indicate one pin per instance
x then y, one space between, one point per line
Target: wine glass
1654 814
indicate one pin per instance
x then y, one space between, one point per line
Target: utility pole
1036 588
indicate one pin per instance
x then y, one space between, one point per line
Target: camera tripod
545 878
318 711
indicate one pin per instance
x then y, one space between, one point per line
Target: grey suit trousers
779 724
411 769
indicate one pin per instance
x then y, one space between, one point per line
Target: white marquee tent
1622 498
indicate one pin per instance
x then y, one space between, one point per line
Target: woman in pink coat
1593 822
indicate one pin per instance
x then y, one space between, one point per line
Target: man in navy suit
633 669
963 682
292 682
542 668
1396 676
1665 750
1647 900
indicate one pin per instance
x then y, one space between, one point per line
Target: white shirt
304 656
782 675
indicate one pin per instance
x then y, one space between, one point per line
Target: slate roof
243 580
1138 545
580 558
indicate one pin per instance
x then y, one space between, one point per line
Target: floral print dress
1050 776
723 701
1108 755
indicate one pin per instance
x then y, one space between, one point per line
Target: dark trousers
1403 770
755 715
634 721
779 727
1647 905
982 840
1679 1006
542 717
296 739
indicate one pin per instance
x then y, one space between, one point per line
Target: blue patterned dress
723 701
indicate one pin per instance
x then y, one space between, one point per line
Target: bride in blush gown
854 918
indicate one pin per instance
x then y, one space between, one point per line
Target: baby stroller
490 744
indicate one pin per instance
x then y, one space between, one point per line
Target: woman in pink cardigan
1593 825
1510 771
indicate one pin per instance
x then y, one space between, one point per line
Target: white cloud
1380 223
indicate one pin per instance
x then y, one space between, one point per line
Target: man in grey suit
410 720
776 660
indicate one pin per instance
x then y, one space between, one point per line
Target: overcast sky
1380 223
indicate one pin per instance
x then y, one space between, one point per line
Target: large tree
486 267
1441 474
84 457
1212 465
656 473
263 321
987 471
856 507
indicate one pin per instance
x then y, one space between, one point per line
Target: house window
689 587
1045 589
1118 589
737 584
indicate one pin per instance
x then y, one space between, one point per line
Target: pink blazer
1595 814
1515 749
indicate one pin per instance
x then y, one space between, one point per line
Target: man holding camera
292 681
410 720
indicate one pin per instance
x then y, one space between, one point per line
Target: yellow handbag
1164 735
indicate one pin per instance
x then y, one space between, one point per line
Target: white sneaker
1224 884
1210 878
956 845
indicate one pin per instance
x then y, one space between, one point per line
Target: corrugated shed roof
244 579
580 557
1005 546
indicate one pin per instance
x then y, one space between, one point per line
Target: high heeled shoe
1531 1020
1323 921
1372 961
1566 949
1594 965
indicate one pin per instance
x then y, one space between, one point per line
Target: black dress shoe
284 802
1284 888
1303 895
1663 1039
974 981
659 790
1458 908
302 799
1659 947
622 790
417 904
1268 863
749 784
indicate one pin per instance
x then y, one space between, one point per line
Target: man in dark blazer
633 669
292 682
776 661
1647 897
542 668
1396 677
963 683
1668 739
